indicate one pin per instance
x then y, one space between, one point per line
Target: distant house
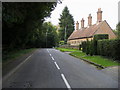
84 33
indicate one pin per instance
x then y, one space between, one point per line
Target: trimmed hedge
109 48
89 47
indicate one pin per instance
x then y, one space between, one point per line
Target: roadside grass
105 62
15 54
67 50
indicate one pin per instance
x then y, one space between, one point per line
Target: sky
82 8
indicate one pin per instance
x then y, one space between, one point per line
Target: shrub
105 47
109 48
88 47
84 45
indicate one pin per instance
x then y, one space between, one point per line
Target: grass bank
105 62
6 57
67 50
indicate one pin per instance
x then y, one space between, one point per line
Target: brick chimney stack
89 20
99 15
82 23
77 26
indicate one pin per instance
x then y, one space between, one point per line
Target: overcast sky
82 8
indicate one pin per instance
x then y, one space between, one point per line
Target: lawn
67 50
96 59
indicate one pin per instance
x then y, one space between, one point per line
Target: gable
106 29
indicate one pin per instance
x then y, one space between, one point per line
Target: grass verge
15 54
67 50
105 62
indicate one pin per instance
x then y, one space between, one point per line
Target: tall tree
66 24
118 30
22 21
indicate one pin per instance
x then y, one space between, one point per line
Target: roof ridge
86 31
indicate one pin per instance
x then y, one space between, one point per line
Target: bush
61 42
108 48
83 46
91 48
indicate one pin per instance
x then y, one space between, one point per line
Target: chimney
77 25
82 23
89 20
99 15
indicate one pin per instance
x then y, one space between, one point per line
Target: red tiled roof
85 32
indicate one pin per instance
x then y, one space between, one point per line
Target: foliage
84 45
16 54
118 30
66 22
22 24
61 43
105 47
52 39
88 47
115 32
110 48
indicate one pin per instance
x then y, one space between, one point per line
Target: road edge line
15 69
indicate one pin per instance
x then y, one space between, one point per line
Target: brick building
84 33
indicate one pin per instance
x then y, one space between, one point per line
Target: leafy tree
118 30
66 23
22 23
50 31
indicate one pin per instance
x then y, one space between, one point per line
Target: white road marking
57 66
50 55
63 77
15 69
66 82
52 58
27 59
48 51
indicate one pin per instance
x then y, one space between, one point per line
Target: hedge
109 48
89 47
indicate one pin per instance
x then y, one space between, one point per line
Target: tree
66 24
51 35
118 30
22 23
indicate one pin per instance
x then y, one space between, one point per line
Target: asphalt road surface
50 68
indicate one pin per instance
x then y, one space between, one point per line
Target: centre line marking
52 58
50 55
48 51
66 82
57 65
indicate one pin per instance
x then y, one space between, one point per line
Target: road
50 68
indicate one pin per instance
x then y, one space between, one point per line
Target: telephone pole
65 35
